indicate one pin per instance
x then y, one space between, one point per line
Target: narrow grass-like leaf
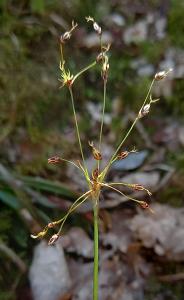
9 199
41 184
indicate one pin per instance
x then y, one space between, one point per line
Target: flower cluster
96 181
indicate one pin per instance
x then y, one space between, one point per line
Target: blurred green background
35 115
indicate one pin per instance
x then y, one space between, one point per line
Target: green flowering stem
78 132
84 70
128 133
95 269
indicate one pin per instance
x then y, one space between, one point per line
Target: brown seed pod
52 224
138 187
95 174
53 239
96 153
54 160
144 111
144 204
122 155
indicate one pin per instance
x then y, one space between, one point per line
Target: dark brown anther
54 160
95 174
53 239
96 153
122 155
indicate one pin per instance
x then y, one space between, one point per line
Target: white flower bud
162 74
97 28
144 111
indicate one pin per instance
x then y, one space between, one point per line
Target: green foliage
168 290
38 6
6 217
175 102
176 24
153 51
7 295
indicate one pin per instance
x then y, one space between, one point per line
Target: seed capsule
138 187
65 37
41 234
54 160
162 74
53 239
144 111
123 154
52 224
144 204
96 153
95 174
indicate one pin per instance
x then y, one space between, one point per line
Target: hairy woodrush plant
96 180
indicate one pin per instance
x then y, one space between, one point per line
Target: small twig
172 277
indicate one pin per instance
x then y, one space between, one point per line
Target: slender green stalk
102 120
72 208
77 129
95 270
103 112
70 162
84 70
61 53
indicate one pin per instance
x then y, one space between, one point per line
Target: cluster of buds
96 27
162 74
66 77
67 35
96 153
124 154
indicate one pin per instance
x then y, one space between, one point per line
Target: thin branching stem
129 131
70 162
102 120
84 70
120 183
103 112
129 185
74 207
62 56
118 191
